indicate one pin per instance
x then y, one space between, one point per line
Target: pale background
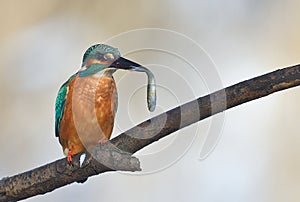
257 156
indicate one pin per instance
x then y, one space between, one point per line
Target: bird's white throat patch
99 74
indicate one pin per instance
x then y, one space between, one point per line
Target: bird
86 103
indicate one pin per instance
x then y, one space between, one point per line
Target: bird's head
100 57
97 58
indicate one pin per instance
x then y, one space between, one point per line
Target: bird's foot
70 156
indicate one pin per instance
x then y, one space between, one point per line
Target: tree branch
59 173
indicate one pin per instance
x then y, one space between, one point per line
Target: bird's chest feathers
93 95
89 111
86 88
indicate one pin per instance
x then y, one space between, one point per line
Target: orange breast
89 112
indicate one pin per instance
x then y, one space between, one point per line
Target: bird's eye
109 56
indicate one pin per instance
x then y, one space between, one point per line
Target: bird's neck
107 72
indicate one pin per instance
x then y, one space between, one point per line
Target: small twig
59 173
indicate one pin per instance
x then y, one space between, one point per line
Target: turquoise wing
60 104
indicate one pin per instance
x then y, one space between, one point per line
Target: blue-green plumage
60 104
93 69
98 51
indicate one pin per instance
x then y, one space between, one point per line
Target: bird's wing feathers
60 104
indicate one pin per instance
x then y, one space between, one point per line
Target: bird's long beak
123 63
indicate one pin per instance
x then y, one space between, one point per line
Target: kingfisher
86 103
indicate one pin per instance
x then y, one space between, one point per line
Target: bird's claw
70 156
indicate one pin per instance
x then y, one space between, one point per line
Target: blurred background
196 47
